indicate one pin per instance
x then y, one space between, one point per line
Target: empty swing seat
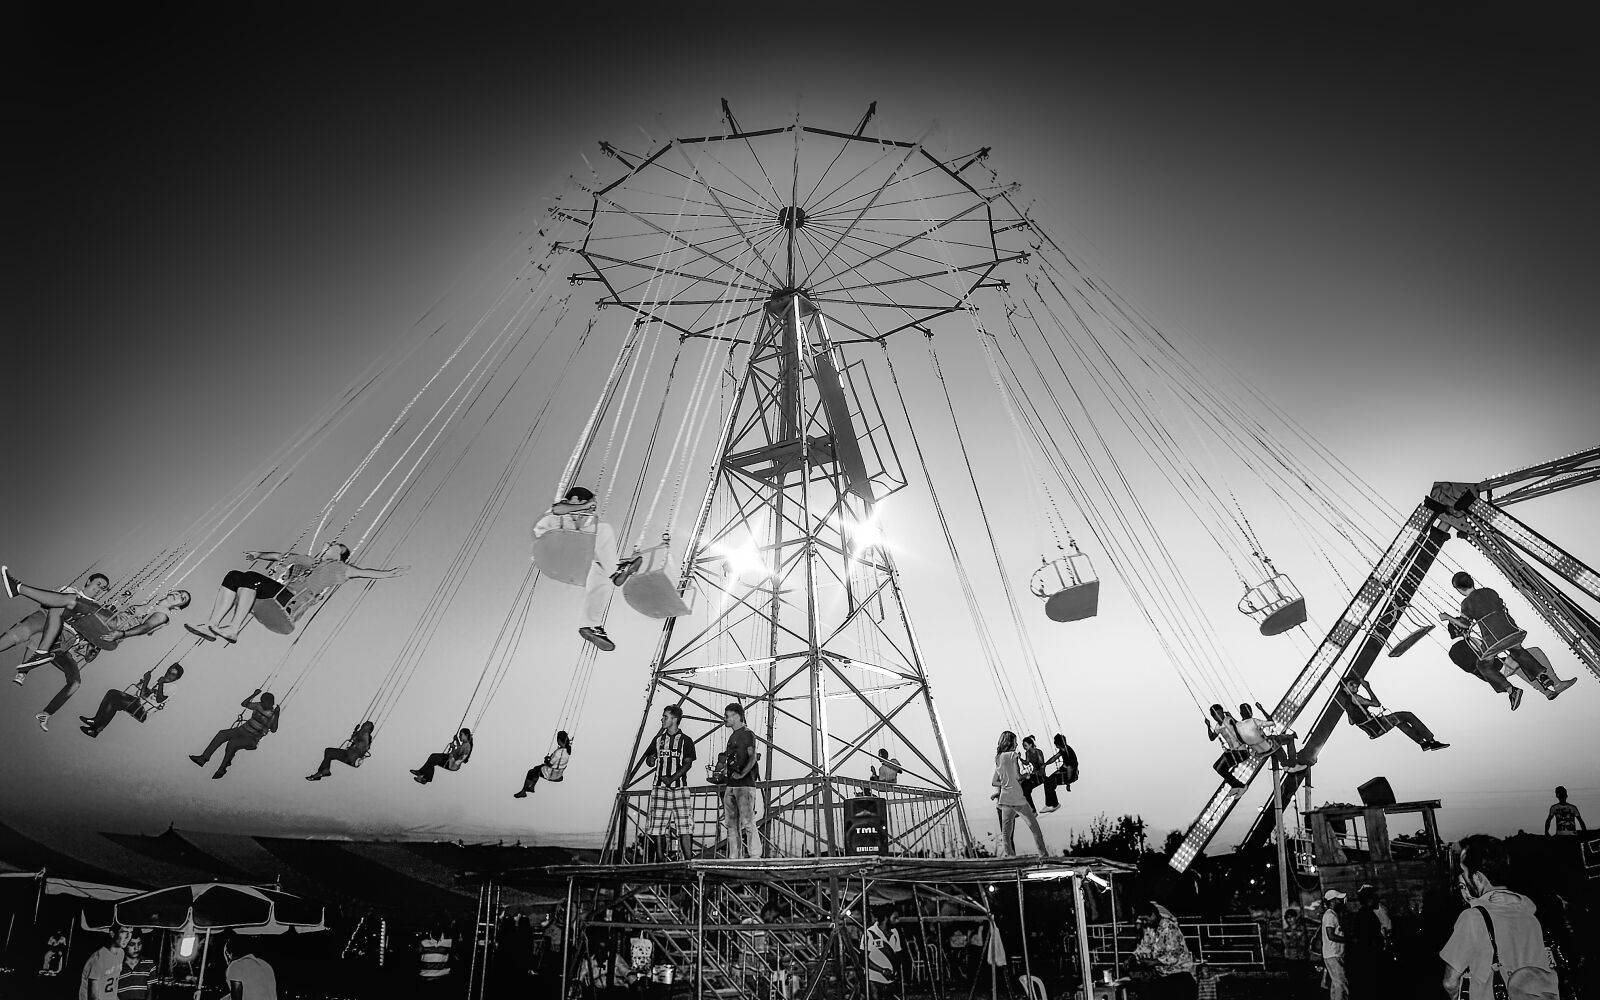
565 555
1069 587
1275 604
651 591
1410 640
1499 633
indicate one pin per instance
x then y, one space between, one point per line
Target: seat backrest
1033 986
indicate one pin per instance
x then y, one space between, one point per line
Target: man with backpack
1497 948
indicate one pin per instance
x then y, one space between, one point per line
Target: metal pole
566 939
1022 921
1085 962
1283 854
200 979
700 936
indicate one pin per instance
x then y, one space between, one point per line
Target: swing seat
1410 640
1376 726
1499 633
650 590
565 555
91 625
1275 604
1069 587
1074 603
281 614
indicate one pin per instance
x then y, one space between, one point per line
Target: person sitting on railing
1363 710
1162 964
1222 727
887 770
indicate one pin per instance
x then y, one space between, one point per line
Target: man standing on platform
671 755
1333 941
739 798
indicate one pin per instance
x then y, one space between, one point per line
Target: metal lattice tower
797 246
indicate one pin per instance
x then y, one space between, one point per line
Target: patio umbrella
211 906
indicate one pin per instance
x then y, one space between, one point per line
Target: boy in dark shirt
739 797
138 703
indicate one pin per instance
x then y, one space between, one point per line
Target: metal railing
1234 944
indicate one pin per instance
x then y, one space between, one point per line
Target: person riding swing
554 767
1222 727
575 515
1485 608
457 753
355 750
260 717
145 696
1368 714
301 576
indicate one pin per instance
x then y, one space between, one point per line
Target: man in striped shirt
134 983
146 697
670 755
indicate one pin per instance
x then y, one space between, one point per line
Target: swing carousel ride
790 327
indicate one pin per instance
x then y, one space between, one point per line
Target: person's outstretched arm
359 573
266 555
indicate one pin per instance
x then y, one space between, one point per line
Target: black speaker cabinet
1376 792
866 825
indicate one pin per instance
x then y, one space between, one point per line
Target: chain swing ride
753 289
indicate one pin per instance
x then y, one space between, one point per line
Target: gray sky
1386 230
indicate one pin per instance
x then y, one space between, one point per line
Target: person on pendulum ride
146 697
1253 732
261 713
1464 656
1479 603
1222 726
352 753
671 756
1362 708
1010 799
578 511
242 588
30 632
457 753
1066 772
554 767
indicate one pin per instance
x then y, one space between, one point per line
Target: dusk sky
213 227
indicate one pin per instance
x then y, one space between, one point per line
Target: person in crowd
433 956
739 797
1257 737
103 968
1333 946
554 767
577 510
1011 801
1361 708
260 717
1480 603
1031 765
882 949
1065 760
1223 727
1464 656
1368 895
249 977
1296 951
134 982
887 770
457 753
670 756
242 588
354 751
1363 959
30 632
1498 935
147 696
1564 815
55 954
1205 981
1163 964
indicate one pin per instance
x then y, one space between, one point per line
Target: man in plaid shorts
671 754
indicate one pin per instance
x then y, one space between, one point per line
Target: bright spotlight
744 560
186 946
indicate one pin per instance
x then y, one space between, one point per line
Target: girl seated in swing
242 588
554 767
1222 726
355 750
457 753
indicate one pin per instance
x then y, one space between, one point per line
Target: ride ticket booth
1355 845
